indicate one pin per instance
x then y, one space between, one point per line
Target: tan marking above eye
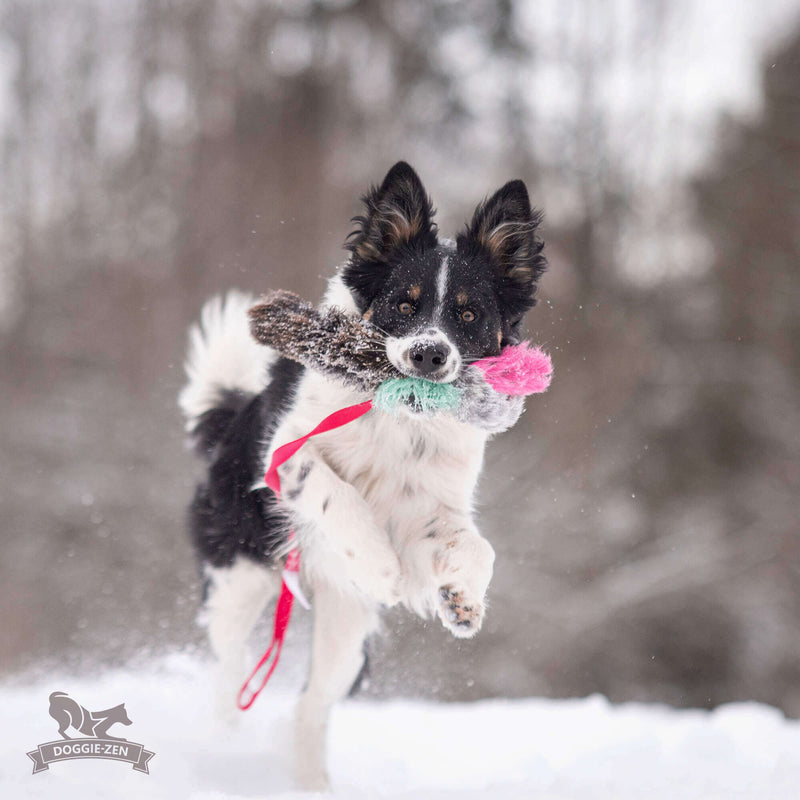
461 298
414 292
405 308
467 315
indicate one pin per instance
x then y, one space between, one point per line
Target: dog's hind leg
236 597
341 624
64 722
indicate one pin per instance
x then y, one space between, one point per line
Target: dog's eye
467 315
405 308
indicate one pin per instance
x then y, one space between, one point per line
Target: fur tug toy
348 349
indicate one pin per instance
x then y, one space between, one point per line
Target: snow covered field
581 749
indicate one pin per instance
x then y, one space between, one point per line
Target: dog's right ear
398 214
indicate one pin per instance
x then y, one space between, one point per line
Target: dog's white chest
402 466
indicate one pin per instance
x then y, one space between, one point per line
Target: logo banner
113 749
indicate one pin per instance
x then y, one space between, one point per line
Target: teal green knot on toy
417 394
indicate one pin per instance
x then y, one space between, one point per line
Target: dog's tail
225 368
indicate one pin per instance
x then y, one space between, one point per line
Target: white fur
441 282
222 355
236 597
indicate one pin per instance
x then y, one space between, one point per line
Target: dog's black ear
398 214
503 229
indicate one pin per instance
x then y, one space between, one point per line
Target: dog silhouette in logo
68 714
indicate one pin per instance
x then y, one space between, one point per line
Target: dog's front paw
376 571
460 614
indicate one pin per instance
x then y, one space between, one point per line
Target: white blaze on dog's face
443 304
418 344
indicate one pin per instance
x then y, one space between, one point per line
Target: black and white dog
382 507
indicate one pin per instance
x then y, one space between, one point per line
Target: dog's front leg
452 565
349 532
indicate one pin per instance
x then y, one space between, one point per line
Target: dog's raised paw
376 571
462 617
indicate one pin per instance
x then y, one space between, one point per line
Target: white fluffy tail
222 356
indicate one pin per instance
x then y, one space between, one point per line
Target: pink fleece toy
519 369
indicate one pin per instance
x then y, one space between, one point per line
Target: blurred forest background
645 511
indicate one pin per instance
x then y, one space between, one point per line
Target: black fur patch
504 231
227 518
297 489
305 471
398 218
211 426
363 675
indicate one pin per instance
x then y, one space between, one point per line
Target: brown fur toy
331 342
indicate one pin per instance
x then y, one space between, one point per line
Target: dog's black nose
428 358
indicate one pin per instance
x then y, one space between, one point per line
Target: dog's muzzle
430 357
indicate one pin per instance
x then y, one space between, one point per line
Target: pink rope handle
290 584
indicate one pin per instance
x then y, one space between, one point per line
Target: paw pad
461 617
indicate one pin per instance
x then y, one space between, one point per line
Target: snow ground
583 749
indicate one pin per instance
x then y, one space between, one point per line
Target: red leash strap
290 587
283 613
286 451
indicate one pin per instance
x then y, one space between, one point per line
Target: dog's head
443 304
119 714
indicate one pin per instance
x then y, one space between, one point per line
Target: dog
69 714
381 508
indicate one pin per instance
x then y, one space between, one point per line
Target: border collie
382 508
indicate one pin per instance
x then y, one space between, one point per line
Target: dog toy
424 396
351 350
521 369
488 393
